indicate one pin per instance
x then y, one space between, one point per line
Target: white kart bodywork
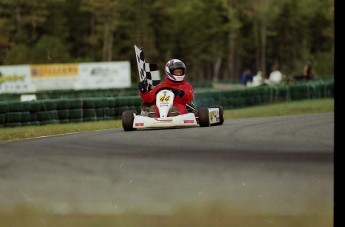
185 120
164 101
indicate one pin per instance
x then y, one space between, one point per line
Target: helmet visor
177 65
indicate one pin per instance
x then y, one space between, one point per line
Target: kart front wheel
204 120
128 119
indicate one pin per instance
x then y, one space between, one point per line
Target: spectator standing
275 76
257 80
247 76
308 71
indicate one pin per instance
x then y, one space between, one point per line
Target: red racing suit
179 102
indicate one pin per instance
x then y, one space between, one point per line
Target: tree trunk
216 67
19 23
257 42
263 49
232 40
231 63
110 45
105 41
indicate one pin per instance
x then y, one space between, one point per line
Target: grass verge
210 215
286 108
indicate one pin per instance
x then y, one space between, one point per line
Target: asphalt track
270 165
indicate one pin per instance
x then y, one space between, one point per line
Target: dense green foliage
216 39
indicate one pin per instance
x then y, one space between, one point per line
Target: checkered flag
147 71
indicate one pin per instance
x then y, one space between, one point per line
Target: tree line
216 39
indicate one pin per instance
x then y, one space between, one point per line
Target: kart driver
175 71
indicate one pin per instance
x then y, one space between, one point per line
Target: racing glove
142 86
178 92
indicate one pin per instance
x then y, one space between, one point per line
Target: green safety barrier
70 94
64 110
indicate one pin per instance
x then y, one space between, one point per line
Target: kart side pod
211 116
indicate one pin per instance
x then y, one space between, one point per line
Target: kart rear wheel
128 119
204 120
221 114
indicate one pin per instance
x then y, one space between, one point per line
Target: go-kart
204 117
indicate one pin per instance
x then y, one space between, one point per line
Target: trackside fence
65 110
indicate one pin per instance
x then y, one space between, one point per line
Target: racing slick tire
221 114
204 120
128 119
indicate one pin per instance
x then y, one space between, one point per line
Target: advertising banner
104 75
16 79
54 76
33 78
